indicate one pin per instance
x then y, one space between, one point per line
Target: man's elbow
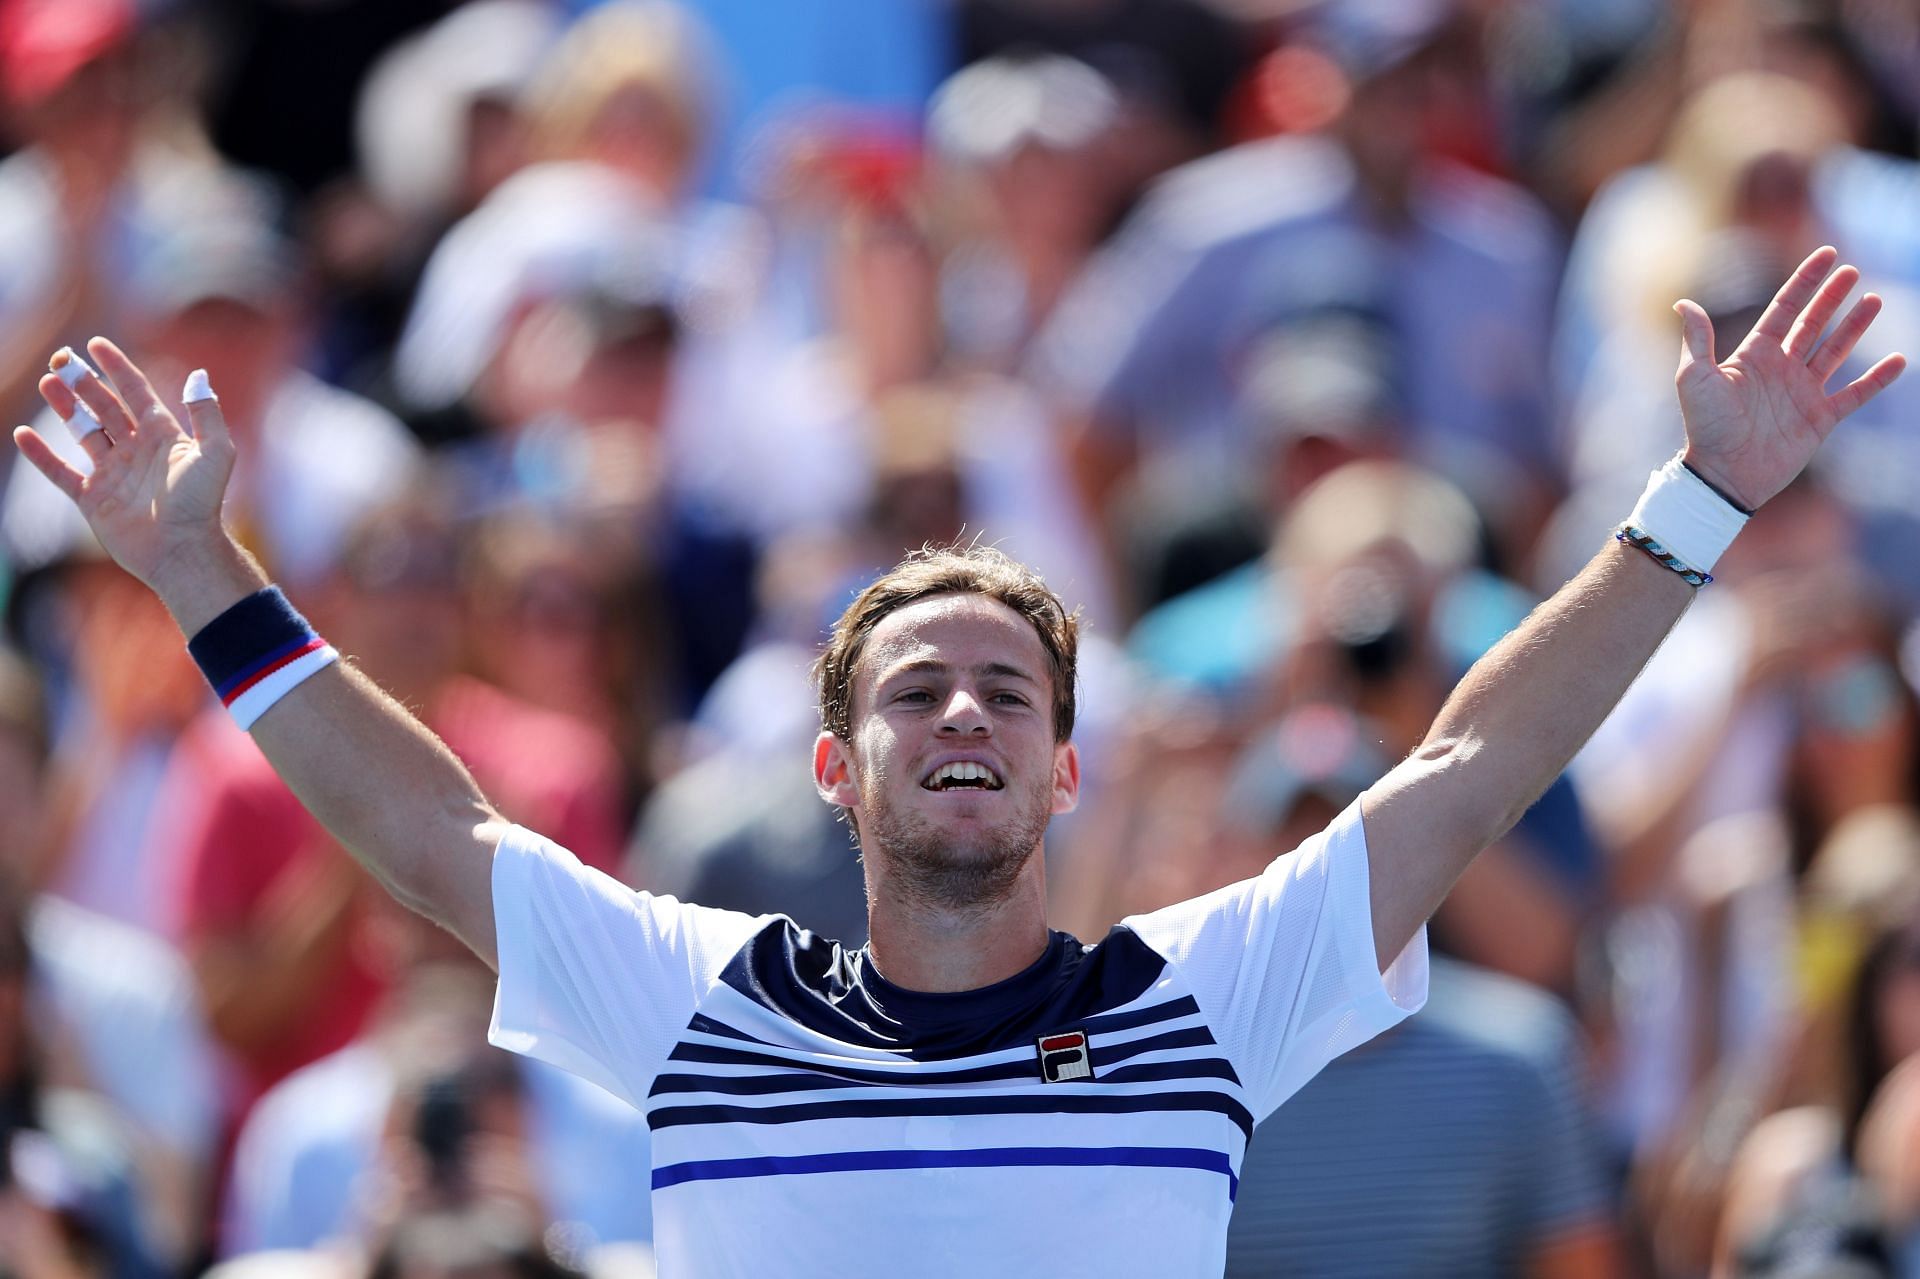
1465 802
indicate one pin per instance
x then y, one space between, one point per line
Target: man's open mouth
963 776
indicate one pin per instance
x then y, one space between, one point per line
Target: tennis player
970 1093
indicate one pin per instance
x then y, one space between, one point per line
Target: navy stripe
231 646
1110 1023
710 1026
1000 1157
1086 1100
1020 1068
244 682
1154 1071
811 1081
1191 1037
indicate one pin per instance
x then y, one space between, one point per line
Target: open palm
1754 420
154 488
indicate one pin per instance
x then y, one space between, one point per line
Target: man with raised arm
970 1093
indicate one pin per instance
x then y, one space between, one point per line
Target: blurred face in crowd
1052 196
1385 122
396 606
245 348
638 132
1857 726
89 122
886 294
953 770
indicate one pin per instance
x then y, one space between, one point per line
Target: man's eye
1011 699
915 695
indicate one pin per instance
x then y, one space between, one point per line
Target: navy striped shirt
808 1116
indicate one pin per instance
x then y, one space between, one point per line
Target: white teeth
964 771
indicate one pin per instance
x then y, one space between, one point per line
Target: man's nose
964 713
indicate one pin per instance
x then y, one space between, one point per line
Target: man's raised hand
154 495
1755 420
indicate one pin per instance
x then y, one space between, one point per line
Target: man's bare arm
377 779
1517 718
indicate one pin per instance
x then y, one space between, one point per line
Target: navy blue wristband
256 652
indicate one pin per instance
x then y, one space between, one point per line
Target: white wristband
1685 515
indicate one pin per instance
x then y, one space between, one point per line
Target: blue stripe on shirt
996 1157
1070 1099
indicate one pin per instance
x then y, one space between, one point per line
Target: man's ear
1066 778
833 774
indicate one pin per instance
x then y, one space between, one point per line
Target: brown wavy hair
971 569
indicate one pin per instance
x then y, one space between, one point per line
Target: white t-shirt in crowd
1088 1115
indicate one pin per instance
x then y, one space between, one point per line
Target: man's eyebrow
935 666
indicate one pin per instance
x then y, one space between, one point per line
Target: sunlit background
585 359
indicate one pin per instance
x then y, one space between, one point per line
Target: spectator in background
276 919
1809 1181
1147 345
1028 153
1176 63
418 1116
617 115
119 696
1455 1145
214 287
69 1205
113 1005
1757 167
217 287
94 101
440 122
555 618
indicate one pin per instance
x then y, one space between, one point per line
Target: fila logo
1065 1056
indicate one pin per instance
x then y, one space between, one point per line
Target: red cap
43 42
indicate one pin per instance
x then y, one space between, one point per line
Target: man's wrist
1706 474
201 578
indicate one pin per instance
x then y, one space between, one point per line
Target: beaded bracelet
257 652
1632 536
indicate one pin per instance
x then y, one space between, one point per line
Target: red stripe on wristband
310 646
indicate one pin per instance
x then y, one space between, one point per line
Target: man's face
953 771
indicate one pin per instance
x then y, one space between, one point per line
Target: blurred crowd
585 359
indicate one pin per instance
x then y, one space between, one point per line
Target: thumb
204 414
1696 334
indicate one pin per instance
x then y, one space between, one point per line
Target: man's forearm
1510 727
379 780
392 794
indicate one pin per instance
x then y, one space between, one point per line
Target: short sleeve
1283 966
596 978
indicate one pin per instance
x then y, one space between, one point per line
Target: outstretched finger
1831 354
91 391
79 418
50 464
1794 295
1696 334
208 419
1804 336
1867 385
132 384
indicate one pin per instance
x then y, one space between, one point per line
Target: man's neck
937 949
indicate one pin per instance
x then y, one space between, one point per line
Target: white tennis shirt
1086 1116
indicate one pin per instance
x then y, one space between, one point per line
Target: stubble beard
935 868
